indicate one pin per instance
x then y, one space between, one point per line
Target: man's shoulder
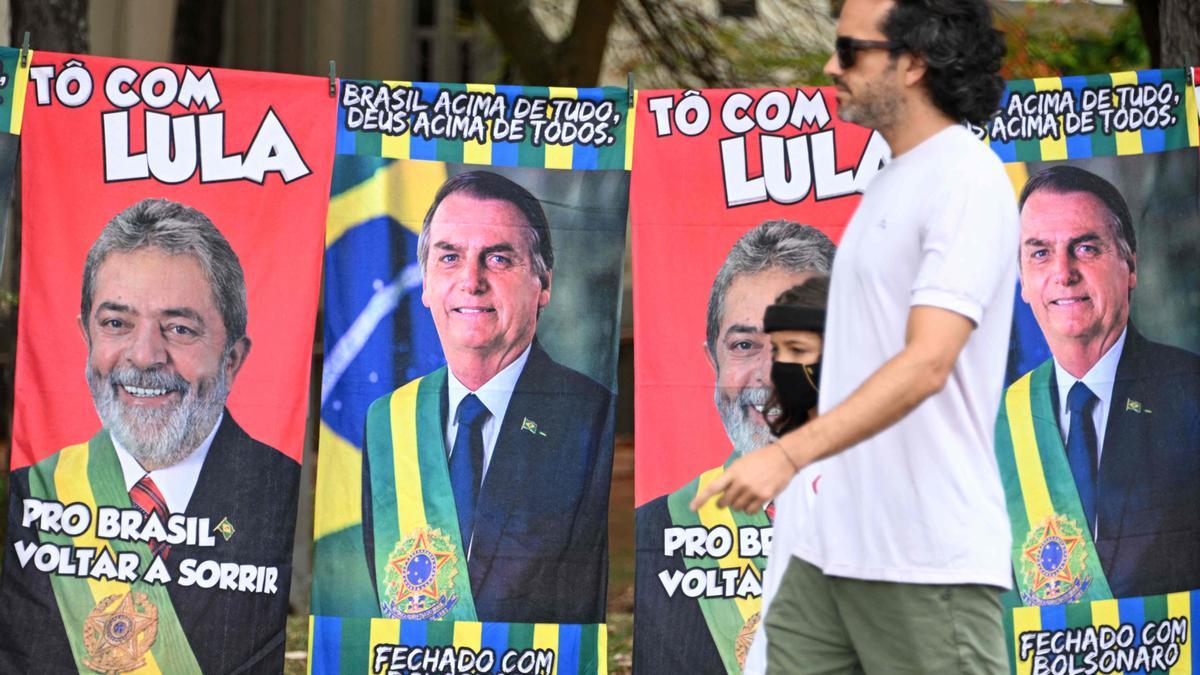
553 377
250 450
438 375
1165 357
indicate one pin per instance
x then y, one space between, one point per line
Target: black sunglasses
847 49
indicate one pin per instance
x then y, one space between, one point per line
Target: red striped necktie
148 499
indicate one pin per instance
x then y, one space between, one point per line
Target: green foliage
1041 48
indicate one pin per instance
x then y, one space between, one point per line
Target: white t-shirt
921 502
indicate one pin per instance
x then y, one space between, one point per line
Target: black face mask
796 392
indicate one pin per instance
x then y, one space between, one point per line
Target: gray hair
774 243
175 229
488 185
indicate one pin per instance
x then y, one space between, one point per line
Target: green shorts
822 624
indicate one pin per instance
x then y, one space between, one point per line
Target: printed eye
180 334
112 324
448 258
1039 254
499 261
1087 250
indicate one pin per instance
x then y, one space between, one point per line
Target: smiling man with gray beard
163 313
675 632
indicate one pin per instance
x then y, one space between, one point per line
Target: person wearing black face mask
796 324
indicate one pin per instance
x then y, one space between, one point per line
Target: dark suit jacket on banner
670 634
242 480
1149 483
540 552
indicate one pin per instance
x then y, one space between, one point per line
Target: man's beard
876 105
158 437
745 433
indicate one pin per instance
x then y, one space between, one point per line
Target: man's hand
753 480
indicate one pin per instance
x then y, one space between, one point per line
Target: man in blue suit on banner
1112 419
485 483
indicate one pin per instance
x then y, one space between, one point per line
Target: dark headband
791 317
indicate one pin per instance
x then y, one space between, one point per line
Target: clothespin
25 50
332 78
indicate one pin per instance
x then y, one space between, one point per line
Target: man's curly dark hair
961 49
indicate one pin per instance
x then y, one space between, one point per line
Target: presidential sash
112 626
730 620
420 561
1054 558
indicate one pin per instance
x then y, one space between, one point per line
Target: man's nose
832 67
147 347
474 278
762 368
1066 269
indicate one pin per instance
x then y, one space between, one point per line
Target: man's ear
712 361
83 331
236 357
915 70
544 295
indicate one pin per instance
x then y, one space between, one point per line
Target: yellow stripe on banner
545 636
630 116
1106 613
18 103
1128 142
475 152
1025 619
383 632
396 147
1025 449
560 156
1179 605
403 190
71 485
410 501
338 494
1193 117
602 648
1052 148
711 516
468 634
1018 175
312 622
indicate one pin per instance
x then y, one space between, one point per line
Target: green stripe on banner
355 656
368 143
613 156
341 582
450 150
527 153
1007 463
1176 136
383 489
1103 145
1027 150
520 637
1154 609
589 657
439 633
1079 615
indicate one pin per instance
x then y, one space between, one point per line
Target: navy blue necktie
1081 448
466 463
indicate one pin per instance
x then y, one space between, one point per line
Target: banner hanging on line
1106 555
473 273
738 196
171 243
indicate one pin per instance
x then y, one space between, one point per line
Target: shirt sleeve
968 242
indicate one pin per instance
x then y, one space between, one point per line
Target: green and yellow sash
90 473
1054 558
727 618
420 561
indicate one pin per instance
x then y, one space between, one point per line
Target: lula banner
1098 436
172 229
473 272
738 197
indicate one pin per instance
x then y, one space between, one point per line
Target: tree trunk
1179 27
198 31
53 25
575 61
